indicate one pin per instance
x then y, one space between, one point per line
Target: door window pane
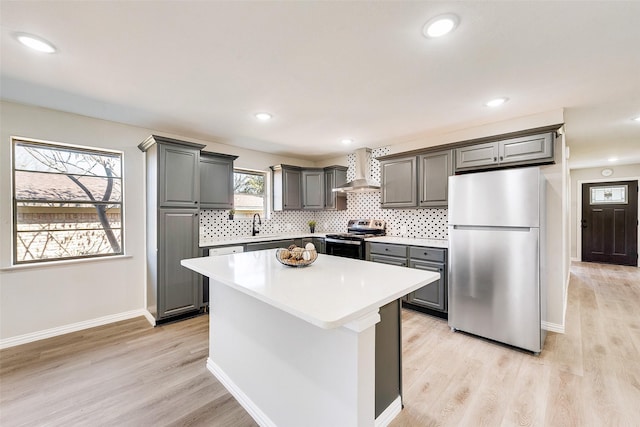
608 195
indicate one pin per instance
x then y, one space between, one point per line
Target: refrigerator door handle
493 227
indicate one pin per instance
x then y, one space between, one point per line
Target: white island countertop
330 293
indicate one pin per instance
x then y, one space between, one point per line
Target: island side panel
292 372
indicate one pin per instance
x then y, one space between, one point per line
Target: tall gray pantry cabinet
173 197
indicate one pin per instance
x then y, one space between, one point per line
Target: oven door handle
345 242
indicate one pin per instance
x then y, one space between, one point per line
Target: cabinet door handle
196 202
500 158
495 159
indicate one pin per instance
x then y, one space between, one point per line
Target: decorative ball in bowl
295 256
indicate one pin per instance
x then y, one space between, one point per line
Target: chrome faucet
255 230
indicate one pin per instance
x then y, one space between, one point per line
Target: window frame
265 205
16 141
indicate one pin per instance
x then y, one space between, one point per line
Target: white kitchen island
296 346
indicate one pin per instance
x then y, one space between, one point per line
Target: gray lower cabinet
178 290
216 180
434 295
526 150
334 176
399 182
434 170
313 189
318 242
287 187
259 246
388 367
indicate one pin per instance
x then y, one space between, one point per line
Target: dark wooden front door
609 224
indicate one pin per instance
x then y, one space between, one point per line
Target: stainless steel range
351 244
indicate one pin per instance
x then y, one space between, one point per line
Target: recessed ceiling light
637 119
347 141
35 42
612 159
263 116
440 25
496 102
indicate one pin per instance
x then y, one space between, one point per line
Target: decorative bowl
296 257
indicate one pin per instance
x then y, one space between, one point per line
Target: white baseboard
575 258
73 327
256 413
553 327
385 418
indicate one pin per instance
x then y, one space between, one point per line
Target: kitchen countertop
409 241
241 240
396 240
331 292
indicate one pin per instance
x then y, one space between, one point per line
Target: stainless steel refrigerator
496 256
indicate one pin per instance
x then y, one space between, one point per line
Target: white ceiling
330 70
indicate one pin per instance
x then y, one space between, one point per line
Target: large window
248 192
67 202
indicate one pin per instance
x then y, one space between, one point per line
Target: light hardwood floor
129 374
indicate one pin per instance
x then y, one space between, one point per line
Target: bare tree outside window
67 202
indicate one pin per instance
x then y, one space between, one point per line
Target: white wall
39 301
580 176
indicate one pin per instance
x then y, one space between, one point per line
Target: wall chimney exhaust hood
362 181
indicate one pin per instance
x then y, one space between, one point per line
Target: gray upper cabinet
287 187
526 149
179 180
313 189
433 180
334 176
216 180
399 182
479 155
533 149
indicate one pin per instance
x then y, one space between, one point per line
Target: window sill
64 262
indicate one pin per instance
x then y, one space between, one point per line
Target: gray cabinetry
387 253
479 155
287 187
434 170
179 290
334 176
259 246
216 180
399 182
533 149
526 149
318 242
388 366
172 196
313 188
178 179
434 295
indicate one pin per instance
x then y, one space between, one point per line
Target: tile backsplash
417 223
